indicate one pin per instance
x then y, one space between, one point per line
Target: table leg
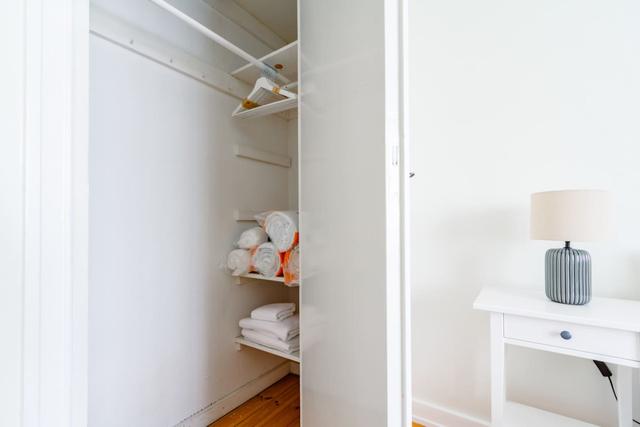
624 382
498 394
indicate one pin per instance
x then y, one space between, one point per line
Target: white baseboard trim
425 413
431 414
236 398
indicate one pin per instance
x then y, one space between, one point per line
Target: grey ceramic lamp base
568 275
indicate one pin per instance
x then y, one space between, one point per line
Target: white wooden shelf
286 56
518 415
246 215
255 276
241 341
240 215
265 110
285 61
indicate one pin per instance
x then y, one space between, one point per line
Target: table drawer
592 339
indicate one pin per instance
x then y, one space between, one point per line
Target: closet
181 161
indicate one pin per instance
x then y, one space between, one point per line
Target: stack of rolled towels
270 249
275 326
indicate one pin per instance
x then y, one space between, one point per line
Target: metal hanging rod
266 69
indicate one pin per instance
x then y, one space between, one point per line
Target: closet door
351 241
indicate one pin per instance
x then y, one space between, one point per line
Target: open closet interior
191 136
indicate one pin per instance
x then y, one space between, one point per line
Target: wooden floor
277 406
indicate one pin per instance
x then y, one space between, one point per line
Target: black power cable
604 370
613 389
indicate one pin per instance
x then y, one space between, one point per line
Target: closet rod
267 70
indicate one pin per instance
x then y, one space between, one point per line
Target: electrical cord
613 389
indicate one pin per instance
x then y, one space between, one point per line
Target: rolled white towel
282 228
267 260
239 262
252 238
261 217
283 330
274 312
290 346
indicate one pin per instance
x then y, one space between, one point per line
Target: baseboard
425 413
431 414
236 398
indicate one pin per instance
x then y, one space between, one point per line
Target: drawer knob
565 335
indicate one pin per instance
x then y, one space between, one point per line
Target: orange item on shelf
291 265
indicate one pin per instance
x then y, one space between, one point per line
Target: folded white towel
274 312
282 228
239 261
266 260
284 330
272 342
252 238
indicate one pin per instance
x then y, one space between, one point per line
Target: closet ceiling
279 15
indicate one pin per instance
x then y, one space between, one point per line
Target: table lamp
569 215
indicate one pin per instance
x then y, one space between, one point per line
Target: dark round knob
565 335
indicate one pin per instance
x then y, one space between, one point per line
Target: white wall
12 147
164 185
508 98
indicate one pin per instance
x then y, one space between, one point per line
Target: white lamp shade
570 215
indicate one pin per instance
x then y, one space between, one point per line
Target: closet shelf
240 215
261 277
265 110
286 56
285 61
255 276
240 341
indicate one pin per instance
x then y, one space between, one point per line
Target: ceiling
280 16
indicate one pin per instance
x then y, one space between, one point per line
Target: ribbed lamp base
568 276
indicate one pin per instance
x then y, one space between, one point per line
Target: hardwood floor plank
289 411
294 423
290 416
276 406
273 409
245 410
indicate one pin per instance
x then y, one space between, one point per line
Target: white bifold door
354 352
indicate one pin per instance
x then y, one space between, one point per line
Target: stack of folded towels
274 326
270 249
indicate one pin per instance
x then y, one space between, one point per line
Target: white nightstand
605 329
